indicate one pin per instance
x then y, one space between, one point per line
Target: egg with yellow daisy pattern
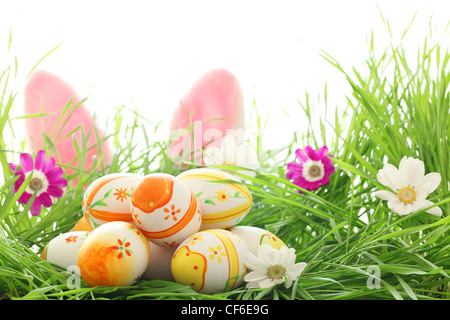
223 199
210 261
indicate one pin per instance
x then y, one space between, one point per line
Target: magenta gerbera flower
314 168
47 179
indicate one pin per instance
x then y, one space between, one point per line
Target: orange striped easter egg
165 209
108 198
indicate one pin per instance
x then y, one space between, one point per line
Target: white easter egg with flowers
108 198
63 249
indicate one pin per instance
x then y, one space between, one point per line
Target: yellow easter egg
165 209
115 254
210 261
108 198
223 200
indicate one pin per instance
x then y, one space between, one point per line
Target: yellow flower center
407 195
276 272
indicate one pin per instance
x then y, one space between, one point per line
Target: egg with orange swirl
165 209
223 200
114 254
210 261
108 198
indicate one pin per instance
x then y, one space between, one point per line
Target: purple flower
314 168
47 180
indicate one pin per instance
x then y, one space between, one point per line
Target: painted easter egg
254 237
210 261
63 249
159 264
165 209
223 204
115 254
82 225
108 198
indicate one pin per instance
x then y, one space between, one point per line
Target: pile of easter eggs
176 228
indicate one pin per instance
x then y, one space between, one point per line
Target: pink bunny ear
213 108
50 94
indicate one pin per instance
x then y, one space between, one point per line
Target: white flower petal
277 257
422 191
401 165
267 283
265 254
268 257
389 177
411 171
291 257
417 206
410 174
295 270
436 211
434 179
385 195
252 285
254 263
285 256
399 207
288 283
255 276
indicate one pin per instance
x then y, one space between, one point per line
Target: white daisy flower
231 152
410 187
272 267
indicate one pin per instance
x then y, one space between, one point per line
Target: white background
147 54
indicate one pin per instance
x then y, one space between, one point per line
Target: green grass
342 230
